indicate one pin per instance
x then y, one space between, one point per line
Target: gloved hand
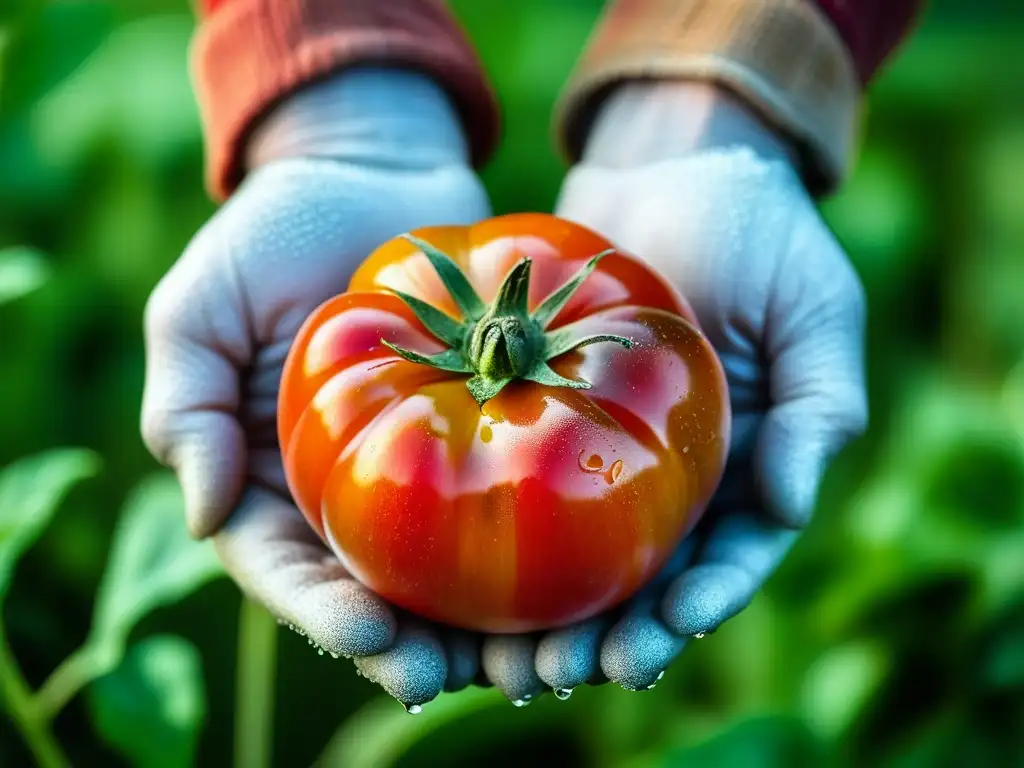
684 177
333 172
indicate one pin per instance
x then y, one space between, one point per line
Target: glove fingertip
212 475
637 651
702 598
354 621
413 670
567 658
462 650
508 660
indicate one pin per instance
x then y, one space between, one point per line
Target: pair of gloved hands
676 173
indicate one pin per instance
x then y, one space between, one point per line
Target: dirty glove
334 171
684 177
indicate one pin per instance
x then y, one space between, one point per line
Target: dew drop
486 434
563 693
686 449
698 636
660 675
528 696
592 463
413 709
319 651
520 703
614 471
334 655
652 686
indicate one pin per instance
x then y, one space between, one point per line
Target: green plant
146 697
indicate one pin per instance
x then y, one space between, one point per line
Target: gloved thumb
191 397
815 347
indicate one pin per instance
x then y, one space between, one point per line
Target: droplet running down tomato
504 427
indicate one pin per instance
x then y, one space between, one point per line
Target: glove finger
271 551
815 348
508 662
740 553
414 668
462 651
638 648
567 658
190 399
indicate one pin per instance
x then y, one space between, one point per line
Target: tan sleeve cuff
249 54
783 57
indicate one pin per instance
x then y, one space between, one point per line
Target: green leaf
445 328
380 733
839 686
483 389
462 293
554 303
152 706
449 360
22 270
565 340
762 742
153 562
542 373
30 491
514 292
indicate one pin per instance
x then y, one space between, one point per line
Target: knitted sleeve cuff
249 54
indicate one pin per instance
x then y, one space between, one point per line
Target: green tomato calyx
503 342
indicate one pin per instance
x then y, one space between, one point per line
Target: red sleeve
871 29
249 54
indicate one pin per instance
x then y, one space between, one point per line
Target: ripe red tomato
459 475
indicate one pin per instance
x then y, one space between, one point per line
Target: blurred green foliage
894 634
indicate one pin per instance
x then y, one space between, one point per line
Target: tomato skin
542 507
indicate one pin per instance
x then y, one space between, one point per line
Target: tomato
504 427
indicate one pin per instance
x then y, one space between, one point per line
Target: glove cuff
248 55
782 57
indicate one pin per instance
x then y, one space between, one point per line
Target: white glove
333 172
684 177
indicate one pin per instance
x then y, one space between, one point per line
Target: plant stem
254 686
21 707
71 676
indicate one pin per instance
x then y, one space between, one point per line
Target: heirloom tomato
505 427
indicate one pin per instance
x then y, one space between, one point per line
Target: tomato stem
503 342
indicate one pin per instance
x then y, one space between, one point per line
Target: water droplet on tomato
413 709
486 433
614 471
563 693
686 449
591 464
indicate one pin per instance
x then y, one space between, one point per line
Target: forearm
250 55
800 66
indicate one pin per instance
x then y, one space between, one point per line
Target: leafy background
893 635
